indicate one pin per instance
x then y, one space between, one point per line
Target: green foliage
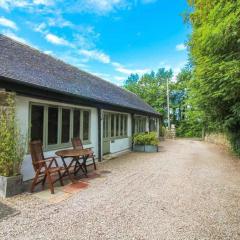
145 138
215 53
12 143
151 87
162 131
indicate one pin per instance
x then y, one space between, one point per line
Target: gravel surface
189 190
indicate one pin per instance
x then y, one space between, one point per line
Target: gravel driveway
189 190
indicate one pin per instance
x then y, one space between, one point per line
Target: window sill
63 146
115 138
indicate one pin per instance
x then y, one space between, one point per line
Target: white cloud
12 35
59 21
8 23
48 52
120 79
95 55
57 40
99 7
43 2
15 37
148 1
40 27
181 47
122 69
9 4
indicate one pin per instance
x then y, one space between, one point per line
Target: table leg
66 170
80 166
84 163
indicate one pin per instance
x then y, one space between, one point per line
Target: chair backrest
36 152
77 143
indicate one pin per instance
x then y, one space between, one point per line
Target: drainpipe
99 135
133 127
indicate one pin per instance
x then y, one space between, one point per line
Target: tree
215 52
151 87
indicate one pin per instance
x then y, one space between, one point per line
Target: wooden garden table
76 155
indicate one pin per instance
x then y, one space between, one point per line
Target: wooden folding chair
77 144
44 167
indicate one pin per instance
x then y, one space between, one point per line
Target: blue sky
109 38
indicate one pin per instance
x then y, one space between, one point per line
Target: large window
115 124
55 126
140 124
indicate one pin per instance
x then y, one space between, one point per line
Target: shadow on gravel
6 211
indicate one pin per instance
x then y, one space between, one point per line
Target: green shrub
162 131
145 138
12 144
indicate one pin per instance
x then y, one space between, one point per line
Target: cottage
56 101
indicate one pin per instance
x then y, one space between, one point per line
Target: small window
86 124
37 117
76 123
52 125
65 125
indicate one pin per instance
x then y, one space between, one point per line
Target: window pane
121 125
52 125
86 120
105 126
37 122
112 125
76 123
65 125
117 125
125 125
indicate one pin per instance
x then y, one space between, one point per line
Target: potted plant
145 142
12 149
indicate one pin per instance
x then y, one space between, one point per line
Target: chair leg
94 164
34 181
60 178
43 181
50 183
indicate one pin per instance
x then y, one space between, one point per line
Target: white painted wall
22 113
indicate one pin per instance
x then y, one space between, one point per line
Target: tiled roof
30 66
